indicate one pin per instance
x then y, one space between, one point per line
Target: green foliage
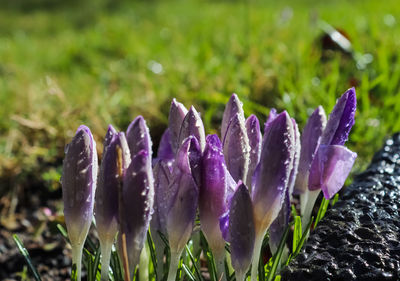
27 258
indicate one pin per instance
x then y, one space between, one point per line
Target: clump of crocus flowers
239 184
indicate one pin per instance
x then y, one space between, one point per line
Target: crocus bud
110 177
137 196
138 137
184 199
176 115
236 148
310 139
280 224
192 125
116 158
274 171
241 231
78 186
233 107
272 178
214 191
255 139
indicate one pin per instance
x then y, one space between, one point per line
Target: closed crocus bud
272 178
236 148
280 224
271 116
136 203
177 113
192 125
78 187
116 158
216 186
255 139
233 107
241 231
184 200
310 139
138 137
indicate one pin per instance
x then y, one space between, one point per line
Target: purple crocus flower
236 146
183 203
165 151
192 125
177 113
137 196
255 140
282 221
272 177
216 188
78 186
326 164
332 161
241 231
116 159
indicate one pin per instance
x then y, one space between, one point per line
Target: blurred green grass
98 64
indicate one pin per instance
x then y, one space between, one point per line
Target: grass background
99 62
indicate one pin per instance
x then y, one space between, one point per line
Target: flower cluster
240 185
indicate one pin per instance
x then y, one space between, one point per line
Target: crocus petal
138 137
213 192
272 115
310 140
236 148
280 224
330 168
273 174
165 151
177 113
162 194
255 138
233 107
341 119
241 229
79 184
116 159
136 205
192 125
184 199
108 137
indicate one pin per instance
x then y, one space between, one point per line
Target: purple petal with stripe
177 113
138 137
233 107
255 139
192 125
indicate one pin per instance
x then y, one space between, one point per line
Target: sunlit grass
89 64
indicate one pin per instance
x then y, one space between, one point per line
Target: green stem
106 247
256 255
220 266
77 259
240 276
144 264
173 266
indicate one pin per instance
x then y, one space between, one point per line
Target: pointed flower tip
213 141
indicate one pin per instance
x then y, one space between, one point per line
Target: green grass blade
26 256
188 272
297 232
303 238
74 273
116 266
278 255
63 231
277 278
321 211
196 269
96 262
152 253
